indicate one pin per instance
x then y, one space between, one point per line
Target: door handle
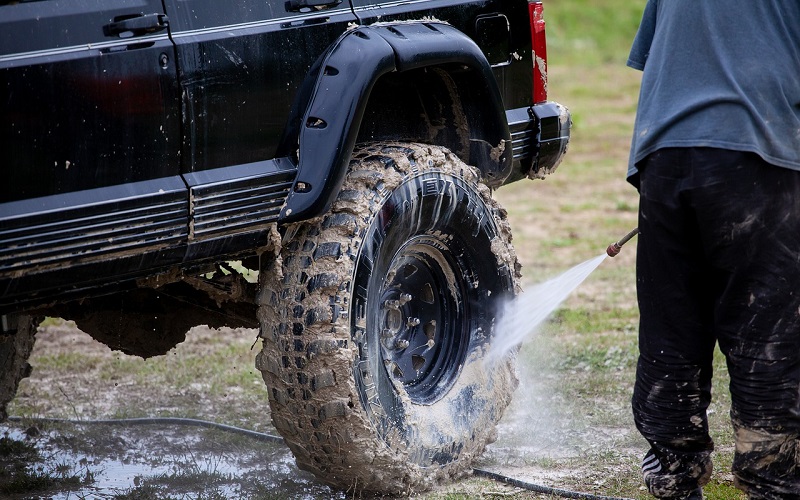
309 5
136 25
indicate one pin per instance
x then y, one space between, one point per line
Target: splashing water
527 311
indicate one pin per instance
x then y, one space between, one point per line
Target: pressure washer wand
614 248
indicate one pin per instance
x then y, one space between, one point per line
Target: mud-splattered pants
719 261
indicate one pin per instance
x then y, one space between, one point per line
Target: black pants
719 261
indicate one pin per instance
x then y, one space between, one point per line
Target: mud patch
540 439
156 461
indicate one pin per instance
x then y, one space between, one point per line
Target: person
715 155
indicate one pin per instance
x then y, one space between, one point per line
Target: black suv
157 155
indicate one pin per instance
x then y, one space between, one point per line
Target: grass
211 369
23 471
149 491
591 32
188 481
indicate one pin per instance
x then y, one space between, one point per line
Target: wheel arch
435 80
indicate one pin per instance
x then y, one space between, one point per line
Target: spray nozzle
614 248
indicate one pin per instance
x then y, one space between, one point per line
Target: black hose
539 488
261 436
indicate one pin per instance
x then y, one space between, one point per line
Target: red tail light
539 47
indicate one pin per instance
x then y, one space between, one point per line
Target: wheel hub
419 320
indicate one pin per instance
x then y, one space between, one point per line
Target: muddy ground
78 378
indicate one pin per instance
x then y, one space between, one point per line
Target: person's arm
644 37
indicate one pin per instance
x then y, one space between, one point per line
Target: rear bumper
539 137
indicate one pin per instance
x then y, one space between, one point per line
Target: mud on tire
15 349
376 322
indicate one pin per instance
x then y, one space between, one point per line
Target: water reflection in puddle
169 460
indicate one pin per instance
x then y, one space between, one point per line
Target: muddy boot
676 478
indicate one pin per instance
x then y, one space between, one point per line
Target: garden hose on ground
261 436
547 490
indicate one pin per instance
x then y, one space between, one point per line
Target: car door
240 69
89 132
89 96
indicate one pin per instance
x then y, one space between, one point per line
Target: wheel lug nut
401 344
412 322
406 297
392 304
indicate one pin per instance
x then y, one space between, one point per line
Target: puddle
157 461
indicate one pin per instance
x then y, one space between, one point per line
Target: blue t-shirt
719 73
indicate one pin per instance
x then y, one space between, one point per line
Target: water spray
525 313
614 248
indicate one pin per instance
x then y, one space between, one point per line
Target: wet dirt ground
77 378
160 461
179 461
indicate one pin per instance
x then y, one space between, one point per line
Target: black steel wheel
376 322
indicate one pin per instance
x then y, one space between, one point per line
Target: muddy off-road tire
376 322
15 349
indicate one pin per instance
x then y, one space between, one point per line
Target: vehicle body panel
82 109
140 139
240 69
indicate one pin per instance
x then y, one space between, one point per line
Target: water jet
521 316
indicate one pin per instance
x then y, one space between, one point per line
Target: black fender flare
328 110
